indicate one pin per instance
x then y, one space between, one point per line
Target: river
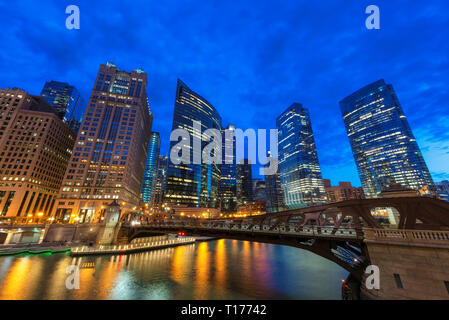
220 269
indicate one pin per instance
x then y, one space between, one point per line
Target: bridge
342 232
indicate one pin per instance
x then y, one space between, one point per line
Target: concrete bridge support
413 264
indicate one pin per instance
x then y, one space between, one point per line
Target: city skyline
317 80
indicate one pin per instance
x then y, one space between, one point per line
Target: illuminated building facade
383 145
228 179
35 147
161 181
299 168
194 185
344 191
151 169
244 182
110 152
67 101
274 194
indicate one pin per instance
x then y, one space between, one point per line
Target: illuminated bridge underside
333 231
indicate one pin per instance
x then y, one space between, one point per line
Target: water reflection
222 269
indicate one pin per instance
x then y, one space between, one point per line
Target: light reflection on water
222 269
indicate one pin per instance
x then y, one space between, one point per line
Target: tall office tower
382 142
108 160
67 101
161 181
194 185
228 179
299 167
35 147
244 182
274 194
151 169
344 191
259 192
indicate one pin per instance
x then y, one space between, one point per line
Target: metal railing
120 249
316 231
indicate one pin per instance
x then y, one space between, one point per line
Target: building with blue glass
151 169
383 145
299 168
194 185
67 101
228 179
245 193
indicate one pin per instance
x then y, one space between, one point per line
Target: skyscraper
228 179
299 168
383 145
161 181
151 170
35 147
194 185
67 101
108 160
274 194
244 182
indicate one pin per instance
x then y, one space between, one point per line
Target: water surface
222 269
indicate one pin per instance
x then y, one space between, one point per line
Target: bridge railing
408 236
318 231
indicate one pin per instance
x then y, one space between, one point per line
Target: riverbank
134 248
33 250
77 250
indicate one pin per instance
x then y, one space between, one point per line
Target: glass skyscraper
299 168
194 185
244 182
67 101
382 142
161 181
228 179
151 168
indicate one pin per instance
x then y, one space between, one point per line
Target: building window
397 278
446 283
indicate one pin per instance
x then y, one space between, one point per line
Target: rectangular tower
35 147
383 145
108 160
299 168
67 101
151 170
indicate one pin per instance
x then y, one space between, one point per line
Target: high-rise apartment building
110 152
151 168
244 182
299 168
67 101
383 145
344 191
194 185
35 147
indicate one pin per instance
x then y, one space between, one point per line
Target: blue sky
250 59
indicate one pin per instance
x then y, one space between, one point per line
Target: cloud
256 56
